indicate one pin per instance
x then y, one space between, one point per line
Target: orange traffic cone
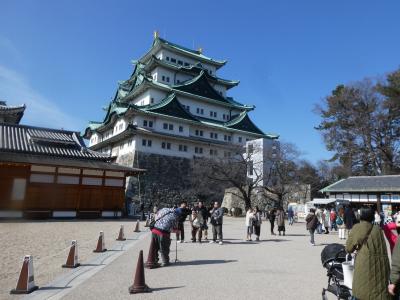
137 227
26 280
139 284
151 258
121 235
72 259
100 243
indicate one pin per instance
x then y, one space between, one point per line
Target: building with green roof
174 105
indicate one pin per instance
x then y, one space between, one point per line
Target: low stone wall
167 180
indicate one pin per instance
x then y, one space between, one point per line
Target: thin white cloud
16 89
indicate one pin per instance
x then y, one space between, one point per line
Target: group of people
167 220
373 277
277 215
322 220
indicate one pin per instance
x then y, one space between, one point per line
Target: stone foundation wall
167 180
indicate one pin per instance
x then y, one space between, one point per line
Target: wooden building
51 173
380 192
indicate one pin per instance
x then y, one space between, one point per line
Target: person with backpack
312 224
371 267
340 224
165 221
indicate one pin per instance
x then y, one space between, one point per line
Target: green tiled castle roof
192 69
159 43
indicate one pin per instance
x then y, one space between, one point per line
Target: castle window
170 127
183 148
178 81
165 126
152 100
163 78
167 58
198 150
168 146
167 79
180 128
163 145
187 64
180 62
144 142
150 123
239 139
145 123
173 60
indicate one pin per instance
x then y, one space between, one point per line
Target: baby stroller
332 257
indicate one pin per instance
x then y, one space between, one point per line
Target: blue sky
64 58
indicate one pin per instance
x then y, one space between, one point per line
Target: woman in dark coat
280 221
271 217
371 269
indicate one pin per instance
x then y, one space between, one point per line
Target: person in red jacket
388 228
333 219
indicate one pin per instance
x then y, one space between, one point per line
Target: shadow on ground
166 288
294 234
49 288
91 265
203 262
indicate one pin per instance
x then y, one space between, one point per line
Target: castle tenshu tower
173 106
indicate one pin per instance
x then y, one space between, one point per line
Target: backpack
339 221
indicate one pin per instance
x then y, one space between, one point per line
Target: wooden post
378 203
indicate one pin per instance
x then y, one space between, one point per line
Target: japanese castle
174 104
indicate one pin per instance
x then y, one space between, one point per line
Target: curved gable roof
200 86
171 106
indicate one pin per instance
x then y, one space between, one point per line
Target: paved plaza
278 267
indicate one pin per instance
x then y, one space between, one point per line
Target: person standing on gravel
271 217
166 219
217 215
257 222
180 234
202 210
249 223
280 220
197 221
311 224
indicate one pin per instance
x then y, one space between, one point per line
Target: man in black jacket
180 235
201 209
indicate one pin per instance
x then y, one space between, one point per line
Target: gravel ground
48 242
285 267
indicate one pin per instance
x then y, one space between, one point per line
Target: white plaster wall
164 53
174 151
194 104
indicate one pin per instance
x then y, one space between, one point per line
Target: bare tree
231 171
283 176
